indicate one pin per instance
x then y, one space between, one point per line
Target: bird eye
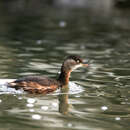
78 61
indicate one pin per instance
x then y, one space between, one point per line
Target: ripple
39 66
73 89
101 101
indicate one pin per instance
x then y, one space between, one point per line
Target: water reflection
34 40
63 100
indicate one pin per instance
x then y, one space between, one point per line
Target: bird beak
85 65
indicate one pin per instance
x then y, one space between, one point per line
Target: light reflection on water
105 99
100 96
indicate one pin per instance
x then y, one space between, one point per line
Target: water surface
36 44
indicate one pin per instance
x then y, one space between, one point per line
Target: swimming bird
44 85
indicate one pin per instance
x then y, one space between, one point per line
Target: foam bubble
4 89
75 88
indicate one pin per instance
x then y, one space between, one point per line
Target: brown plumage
42 85
35 84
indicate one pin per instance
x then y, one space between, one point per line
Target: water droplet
30 105
36 117
104 108
31 100
44 108
117 118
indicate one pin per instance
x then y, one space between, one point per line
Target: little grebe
42 85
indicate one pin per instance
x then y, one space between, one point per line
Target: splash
4 89
73 89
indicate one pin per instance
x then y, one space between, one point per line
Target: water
36 44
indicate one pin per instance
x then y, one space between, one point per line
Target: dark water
36 42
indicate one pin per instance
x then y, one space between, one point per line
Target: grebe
42 85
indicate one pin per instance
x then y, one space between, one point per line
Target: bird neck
64 76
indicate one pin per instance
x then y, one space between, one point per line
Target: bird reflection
63 100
